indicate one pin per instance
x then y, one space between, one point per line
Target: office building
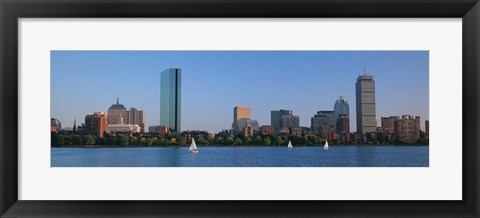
323 119
388 123
407 129
116 113
340 107
342 124
365 104
137 117
290 121
240 117
276 118
170 99
96 124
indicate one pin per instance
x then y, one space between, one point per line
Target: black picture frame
12 10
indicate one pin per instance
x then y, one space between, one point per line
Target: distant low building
267 129
196 133
160 129
248 131
124 128
295 131
55 125
427 129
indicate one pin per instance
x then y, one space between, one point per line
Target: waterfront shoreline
230 146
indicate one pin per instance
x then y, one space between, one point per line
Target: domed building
116 113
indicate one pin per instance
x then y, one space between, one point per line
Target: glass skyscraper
170 99
340 107
365 96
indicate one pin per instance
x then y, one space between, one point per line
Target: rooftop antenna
364 71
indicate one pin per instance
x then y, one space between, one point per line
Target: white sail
325 146
290 144
193 146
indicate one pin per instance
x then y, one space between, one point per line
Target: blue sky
214 82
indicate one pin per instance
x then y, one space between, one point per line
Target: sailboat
193 147
325 146
290 144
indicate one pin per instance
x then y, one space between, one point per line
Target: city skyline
255 87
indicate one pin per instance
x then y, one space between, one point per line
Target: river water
336 156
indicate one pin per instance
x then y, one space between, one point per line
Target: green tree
277 140
155 141
247 141
202 141
266 140
122 139
89 140
182 141
142 141
258 140
149 141
101 141
161 141
229 141
219 141
238 141
134 141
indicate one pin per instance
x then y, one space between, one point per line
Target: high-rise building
284 119
96 124
170 99
116 113
340 107
407 129
276 118
290 121
365 103
240 117
342 124
323 121
136 117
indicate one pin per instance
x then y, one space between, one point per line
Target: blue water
336 156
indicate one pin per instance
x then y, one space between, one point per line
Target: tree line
152 140
128 140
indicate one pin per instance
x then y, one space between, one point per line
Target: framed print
256 108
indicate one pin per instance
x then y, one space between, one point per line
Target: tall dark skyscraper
365 96
341 107
170 99
283 119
